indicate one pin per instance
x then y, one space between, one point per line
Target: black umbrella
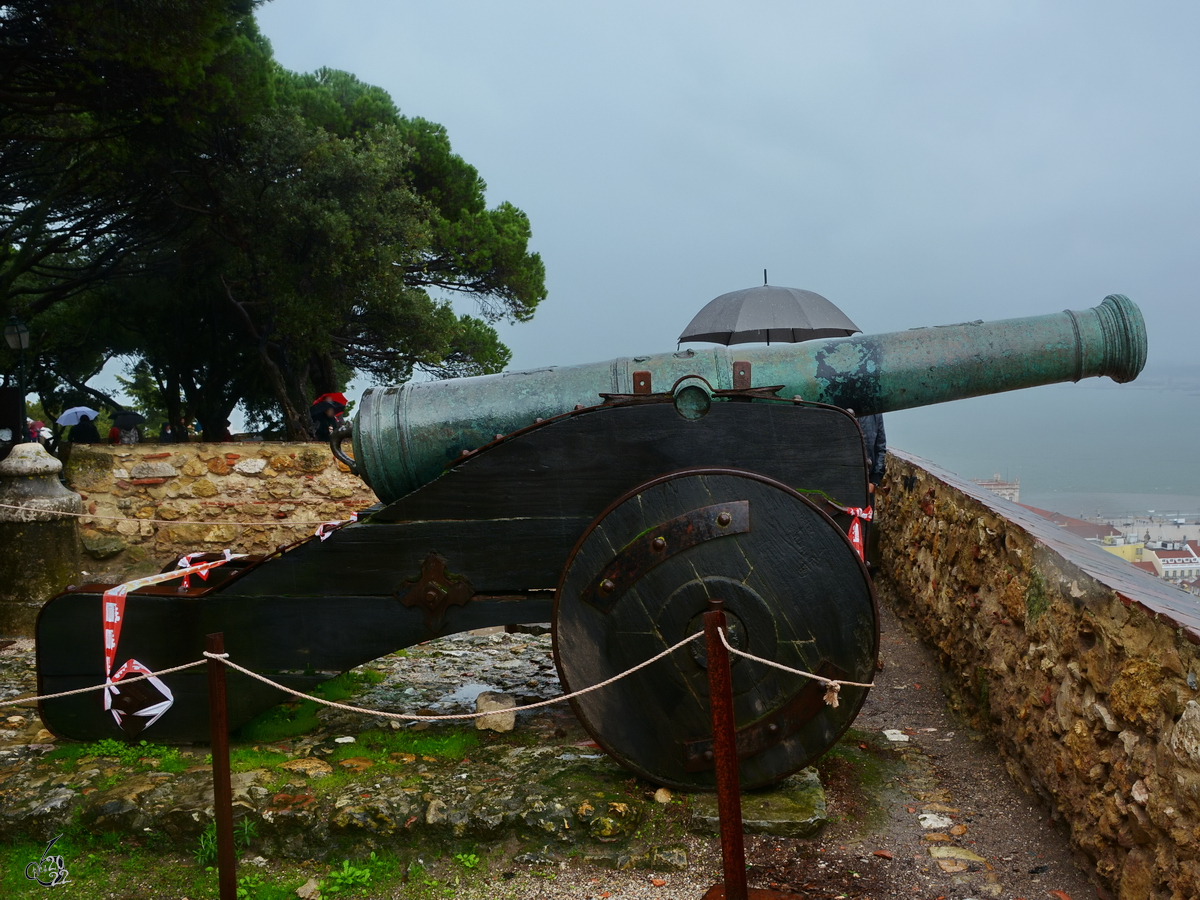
128 419
318 410
768 313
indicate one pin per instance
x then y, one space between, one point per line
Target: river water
1093 448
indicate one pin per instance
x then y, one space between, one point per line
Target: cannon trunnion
487 543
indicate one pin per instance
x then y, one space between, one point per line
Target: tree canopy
243 234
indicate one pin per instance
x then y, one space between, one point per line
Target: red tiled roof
1187 555
1148 566
1078 527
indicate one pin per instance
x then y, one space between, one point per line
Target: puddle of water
467 693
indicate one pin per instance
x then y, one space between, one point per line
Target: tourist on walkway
325 414
84 432
875 445
127 435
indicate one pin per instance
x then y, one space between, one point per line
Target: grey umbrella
71 416
768 313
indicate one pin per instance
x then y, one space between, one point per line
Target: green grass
244 759
100 863
449 742
377 745
141 756
120 865
297 717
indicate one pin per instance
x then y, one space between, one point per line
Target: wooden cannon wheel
639 580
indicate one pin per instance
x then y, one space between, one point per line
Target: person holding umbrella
326 411
125 428
84 432
82 420
792 315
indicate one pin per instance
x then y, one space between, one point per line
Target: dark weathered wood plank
577 465
265 634
505 520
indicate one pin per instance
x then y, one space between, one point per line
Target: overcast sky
918 163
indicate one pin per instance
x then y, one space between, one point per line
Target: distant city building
1179 560
1129 547
1009 490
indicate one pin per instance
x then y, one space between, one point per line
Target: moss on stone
982 688
1037 601
99 545
312 459
88 469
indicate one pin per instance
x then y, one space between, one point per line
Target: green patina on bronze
405 435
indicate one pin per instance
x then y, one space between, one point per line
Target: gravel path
939 780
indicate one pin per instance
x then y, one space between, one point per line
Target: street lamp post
16 333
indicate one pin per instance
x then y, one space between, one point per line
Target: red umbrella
335 397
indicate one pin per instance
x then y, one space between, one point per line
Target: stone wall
147 504
1083 669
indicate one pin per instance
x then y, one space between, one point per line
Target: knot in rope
832 686
216 655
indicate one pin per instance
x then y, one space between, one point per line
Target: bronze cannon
613 500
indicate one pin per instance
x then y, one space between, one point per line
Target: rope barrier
22 701
224 657
474 715
831 698
834 685
282 523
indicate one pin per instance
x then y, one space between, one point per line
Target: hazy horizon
918 165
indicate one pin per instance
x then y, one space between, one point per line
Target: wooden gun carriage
614 501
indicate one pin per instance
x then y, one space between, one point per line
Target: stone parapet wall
1083 668
146 504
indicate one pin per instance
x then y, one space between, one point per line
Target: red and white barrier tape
141 702
325 529
858 515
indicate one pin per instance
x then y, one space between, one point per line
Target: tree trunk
294 420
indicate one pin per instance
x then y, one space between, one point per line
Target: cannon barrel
405 435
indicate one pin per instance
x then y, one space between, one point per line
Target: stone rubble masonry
1085 675
150 503
37 519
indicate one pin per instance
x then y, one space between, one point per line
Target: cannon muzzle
405 435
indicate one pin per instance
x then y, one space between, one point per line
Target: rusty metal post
729 798
222 789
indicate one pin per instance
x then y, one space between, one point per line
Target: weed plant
348 878
244 833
